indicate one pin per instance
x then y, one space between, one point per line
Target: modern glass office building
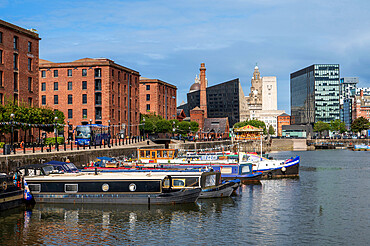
314 94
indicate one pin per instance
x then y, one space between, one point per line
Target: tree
360 124
338 126
183 127
321 126
194 126
30 116
271 130
163 126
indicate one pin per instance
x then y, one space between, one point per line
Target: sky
168 40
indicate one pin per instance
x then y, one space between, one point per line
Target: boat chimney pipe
96 171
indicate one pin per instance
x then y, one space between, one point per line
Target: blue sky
169 39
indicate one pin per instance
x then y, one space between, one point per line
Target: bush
2 144
52 140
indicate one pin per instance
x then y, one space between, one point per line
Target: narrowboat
228 167
208 180
113 188
11 191
232 164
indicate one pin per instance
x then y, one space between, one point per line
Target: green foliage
321 126
52 140
338 126
152 123
29 115
271 130
163 126
184 127
2 145
255 123
194 126
360 124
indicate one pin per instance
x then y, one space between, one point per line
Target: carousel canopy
248 128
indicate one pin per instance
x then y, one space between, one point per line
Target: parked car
362 137
354 137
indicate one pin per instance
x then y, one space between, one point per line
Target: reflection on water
327 205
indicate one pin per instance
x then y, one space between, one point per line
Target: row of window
69 86
15 82
16 62
70 99
69 73
16 43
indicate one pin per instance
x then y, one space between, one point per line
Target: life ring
22 144
5 185
283 170
269 175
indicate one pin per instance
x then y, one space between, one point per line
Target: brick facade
282 120
158 97
19 59
197 115
97 87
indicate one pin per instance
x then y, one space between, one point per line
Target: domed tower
196 85
255 96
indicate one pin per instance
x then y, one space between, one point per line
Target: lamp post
12 131
69 136
108 133
90 121
144 127
56 132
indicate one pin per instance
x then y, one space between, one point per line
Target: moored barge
113 188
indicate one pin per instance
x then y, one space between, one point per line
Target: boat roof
100 176
106 158
34 166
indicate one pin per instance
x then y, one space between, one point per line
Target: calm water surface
327 205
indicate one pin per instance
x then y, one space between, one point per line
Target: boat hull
224 190
178 197
11 199
290 172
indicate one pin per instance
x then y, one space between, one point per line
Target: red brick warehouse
19 58
158 97
92 90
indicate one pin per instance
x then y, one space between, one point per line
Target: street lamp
144 127
12 131
69 135
56 132
108 132
90 121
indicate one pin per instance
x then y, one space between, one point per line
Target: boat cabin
152 155
66 167
188 179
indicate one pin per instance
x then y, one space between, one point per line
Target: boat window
147 154
245 169
166 183
170 153
178 182
142 153
165 153
210 180
47 170
192 182
153 154
71 188
226 170
34 188
159 153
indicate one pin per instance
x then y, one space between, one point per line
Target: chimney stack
203 89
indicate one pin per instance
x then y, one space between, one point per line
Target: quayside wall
9 163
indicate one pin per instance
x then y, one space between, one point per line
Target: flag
27 193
